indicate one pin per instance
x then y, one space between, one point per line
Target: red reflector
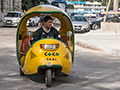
57 45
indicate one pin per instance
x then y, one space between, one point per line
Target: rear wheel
48 77
88 30
66 75
21 73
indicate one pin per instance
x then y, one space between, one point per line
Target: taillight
49 46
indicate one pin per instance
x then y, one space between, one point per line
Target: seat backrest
25 44
64 40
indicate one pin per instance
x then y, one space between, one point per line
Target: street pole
116 6
107 10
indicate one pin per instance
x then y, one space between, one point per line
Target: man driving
46 31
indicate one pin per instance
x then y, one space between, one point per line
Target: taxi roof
45 8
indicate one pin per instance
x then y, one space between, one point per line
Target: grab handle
29 33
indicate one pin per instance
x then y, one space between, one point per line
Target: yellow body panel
37 56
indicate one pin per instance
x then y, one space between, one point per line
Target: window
12 15
10 4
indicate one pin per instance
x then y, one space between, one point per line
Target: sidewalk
108 42
1 18
1 23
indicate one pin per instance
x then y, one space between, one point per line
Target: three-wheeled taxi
47 56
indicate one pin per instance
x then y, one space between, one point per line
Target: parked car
80 23
34 21
93 15
96 24
90 14
12 18
74 13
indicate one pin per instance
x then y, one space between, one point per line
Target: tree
104 2
27 4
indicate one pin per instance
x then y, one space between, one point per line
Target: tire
95 27
88 30
48 77
21 73
65 75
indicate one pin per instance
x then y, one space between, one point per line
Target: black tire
65 75
48 77
88 30
95 27
21 73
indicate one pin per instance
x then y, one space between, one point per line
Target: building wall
9 5
0 5
18 5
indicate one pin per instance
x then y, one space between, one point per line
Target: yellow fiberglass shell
66 25
38 57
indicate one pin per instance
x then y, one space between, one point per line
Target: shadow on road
58 80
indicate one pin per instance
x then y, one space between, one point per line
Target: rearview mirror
69 33
29 33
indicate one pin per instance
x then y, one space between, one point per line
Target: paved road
92 70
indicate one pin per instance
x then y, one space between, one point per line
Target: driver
46 31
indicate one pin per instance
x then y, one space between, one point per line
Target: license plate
78 28
8 22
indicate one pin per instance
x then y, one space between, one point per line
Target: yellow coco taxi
47 56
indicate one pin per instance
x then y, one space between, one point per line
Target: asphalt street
92 70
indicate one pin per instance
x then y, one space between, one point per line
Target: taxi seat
64 40
25 44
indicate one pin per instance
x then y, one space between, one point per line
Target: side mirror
29 33
69 33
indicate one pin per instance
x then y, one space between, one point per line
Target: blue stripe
75 2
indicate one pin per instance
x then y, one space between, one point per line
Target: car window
12 15
79 18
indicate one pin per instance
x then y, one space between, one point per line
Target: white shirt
47 31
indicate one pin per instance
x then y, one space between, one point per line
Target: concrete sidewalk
1 24
107 41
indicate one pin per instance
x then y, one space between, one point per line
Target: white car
90 15
12 18
34 21
80 23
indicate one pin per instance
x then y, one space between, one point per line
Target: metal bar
107 10
110 13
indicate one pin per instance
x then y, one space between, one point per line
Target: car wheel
95 27
88 30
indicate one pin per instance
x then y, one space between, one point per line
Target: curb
110 51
